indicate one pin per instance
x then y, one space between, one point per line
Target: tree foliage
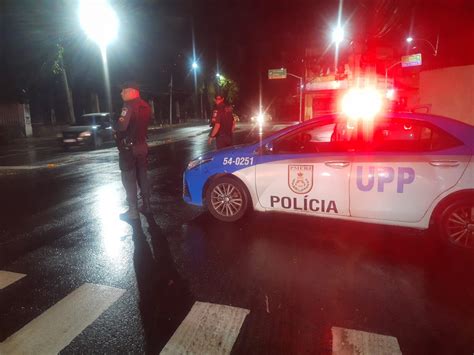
225 87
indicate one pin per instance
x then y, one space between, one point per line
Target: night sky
243 38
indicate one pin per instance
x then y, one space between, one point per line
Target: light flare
362 103
99 21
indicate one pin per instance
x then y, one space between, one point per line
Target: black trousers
223 141
133 166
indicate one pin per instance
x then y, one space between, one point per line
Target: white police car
401 169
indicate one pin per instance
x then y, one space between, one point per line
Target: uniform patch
124 112
300 178
121 119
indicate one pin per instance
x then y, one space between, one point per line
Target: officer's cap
130 85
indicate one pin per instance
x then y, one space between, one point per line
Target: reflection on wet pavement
108 207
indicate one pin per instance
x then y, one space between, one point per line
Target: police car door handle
337 164
448 163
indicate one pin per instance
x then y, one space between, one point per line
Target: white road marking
207 329
7 278
54 329
356 342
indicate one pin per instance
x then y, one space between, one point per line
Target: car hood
245 148
77 129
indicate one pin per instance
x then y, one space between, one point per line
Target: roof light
362 103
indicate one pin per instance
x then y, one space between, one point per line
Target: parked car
90 130
401 169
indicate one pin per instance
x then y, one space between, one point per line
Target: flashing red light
362 103
390 94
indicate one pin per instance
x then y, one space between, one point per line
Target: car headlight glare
197 162
85 134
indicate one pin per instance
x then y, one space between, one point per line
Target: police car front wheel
227 199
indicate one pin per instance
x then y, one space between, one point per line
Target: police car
402 169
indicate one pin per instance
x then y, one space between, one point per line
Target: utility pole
386 73
301 94
171 99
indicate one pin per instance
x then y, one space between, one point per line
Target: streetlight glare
338 35
99 21
409 39
195 65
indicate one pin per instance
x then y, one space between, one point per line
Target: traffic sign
412 60
277 73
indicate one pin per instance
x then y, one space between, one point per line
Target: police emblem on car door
300 178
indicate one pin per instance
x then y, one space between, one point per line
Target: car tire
227 199
456 223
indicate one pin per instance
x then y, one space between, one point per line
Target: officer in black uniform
219 106
224 124
130 134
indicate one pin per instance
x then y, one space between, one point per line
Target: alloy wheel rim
459 226
226 199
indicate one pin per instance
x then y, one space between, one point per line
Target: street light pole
386 73
301 94
433 47
108 95
171 99
100 23
195 67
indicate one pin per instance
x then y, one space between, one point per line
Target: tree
225 87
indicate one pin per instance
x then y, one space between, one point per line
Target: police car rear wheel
457 223
227 199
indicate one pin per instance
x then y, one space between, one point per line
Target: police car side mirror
268 148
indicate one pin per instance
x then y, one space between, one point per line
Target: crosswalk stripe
54 329
356 342
7 278
207 329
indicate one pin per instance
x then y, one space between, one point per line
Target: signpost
282 74
412 60
277 73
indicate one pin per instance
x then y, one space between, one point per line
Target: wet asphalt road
299 277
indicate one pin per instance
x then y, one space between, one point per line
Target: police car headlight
85 134
197 162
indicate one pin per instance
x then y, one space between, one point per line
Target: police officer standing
131 133
224 124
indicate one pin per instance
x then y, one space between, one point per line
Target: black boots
130 214
145 207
